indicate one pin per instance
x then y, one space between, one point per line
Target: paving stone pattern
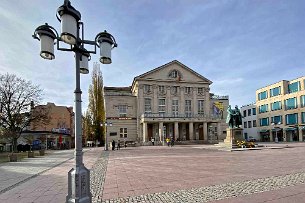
217 192
97 176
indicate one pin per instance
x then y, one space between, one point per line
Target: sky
240 45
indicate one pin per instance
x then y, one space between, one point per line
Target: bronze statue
233 117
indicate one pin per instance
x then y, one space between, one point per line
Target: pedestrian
168 141
113 145
119 145
153 141
172 141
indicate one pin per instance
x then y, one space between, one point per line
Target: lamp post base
79 185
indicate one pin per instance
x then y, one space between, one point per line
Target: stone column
300 135
195 102
176 130
145 135
191 130
155 102
207 102
161 131
271 135
219 131
205 131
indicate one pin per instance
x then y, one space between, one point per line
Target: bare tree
17 99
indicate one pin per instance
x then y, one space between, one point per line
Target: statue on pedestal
234 117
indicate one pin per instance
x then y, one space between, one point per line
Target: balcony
166 117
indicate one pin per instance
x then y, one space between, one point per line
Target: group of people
170 141
118 145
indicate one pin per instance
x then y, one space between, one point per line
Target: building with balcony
169 101
249 122
281 110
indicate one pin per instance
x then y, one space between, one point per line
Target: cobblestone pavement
217 192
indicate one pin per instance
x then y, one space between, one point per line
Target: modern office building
169 101
281 110
249 122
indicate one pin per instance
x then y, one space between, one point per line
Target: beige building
169 101
281 111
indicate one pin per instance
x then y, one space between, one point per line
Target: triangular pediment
173 71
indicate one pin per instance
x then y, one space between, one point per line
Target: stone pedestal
233 134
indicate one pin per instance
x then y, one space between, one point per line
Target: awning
290 129
264 130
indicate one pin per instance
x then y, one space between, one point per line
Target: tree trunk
14 144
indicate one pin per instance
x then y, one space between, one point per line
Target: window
245 113
263 108
122 110
188 90
294 87
276 105
200 106
200 90
303 117
175 108
174 90
123 132
291 119
276 119
275 91
245 124
249 112
174 74
188 108
302 98
161 106
253 111
147 105
291 103
147 88
264 121
161 89
254 123
249 124
262 95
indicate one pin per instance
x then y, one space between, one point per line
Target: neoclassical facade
169 101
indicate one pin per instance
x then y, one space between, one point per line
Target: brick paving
179 174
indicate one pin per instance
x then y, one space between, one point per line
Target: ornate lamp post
72 33
276 128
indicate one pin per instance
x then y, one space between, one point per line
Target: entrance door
200 132
149 131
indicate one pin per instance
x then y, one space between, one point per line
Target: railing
167 115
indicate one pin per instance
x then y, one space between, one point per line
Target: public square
183 173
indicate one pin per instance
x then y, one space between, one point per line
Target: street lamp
106 140
72 33
276 128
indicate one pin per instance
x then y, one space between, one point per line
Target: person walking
119 145
168 141
172 141
153 141
113 145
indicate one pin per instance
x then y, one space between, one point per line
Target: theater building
169 101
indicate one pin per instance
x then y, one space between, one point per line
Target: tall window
291 119
245 124
254 123
122 110
263 108
276 105
200 106
161 89
147 88
249 112
276 119
245 113
188 90
147 107
262 95
253 111
188 108
303 117
249 124
302 100
264 121
174 74
174 90
123 132
200 90
175 108
291 103
161 106
275 91
294 87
